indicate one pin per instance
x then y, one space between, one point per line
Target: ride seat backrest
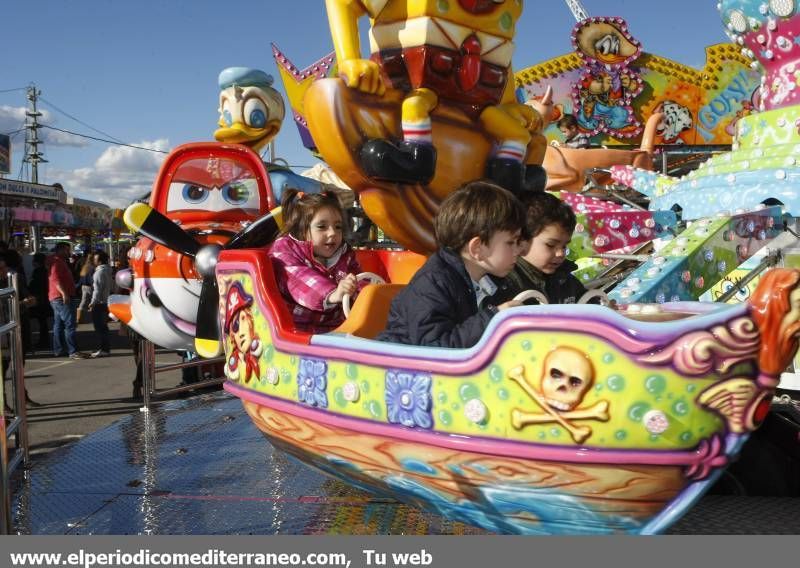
370 310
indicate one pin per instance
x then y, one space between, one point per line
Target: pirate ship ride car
562 419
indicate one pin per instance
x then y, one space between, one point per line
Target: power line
90 127
103 139
12 90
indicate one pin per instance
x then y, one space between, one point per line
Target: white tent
322 173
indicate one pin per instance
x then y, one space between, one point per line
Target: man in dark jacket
545 266
446 304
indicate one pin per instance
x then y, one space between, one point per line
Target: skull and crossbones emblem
567 375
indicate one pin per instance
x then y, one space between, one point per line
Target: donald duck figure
251 112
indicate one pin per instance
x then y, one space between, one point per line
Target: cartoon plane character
458 51
208 196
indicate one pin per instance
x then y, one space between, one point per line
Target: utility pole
577 9
32 154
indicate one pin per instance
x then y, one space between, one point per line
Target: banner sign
27 189
5 154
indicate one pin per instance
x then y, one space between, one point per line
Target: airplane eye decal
194 193
255 113
236 193
185 196
240 194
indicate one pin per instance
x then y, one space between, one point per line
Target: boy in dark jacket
545 266
447 303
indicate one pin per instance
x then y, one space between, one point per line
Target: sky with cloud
100 77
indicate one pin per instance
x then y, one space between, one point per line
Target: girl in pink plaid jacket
313 265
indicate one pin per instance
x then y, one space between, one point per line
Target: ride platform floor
199 466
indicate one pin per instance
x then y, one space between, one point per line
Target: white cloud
13 118
118 176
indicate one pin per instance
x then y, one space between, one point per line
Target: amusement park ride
563 418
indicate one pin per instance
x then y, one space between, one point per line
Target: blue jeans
63 319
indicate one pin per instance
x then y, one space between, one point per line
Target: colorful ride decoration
699 105
567 167
434 107
742 277
699 257
207 196
603 226
251 112
602 98
562 419
762 165
296 82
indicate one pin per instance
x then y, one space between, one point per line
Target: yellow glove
362 74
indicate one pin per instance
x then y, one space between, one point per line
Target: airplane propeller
154 225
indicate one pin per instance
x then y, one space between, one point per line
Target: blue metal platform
199 466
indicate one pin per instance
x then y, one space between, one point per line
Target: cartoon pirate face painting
246 347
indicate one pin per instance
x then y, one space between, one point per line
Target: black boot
506 173
535 178
409 162
137 392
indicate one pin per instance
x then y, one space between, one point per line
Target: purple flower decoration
312 380
408 399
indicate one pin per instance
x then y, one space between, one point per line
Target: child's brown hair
543 209
299 209
567 121
477 209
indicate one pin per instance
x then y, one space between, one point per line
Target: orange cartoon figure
246 347
457 52
776 310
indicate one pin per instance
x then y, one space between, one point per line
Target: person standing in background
98 306
85 281
41 311
60 290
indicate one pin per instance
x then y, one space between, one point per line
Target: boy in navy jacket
447 303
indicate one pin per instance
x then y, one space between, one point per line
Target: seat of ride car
367 319
370 311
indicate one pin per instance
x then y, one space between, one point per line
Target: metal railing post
148 355
5 489
16 425
18 373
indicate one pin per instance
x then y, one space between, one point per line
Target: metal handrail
17 426
147 352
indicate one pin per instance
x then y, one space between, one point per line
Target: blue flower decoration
312 380
408 399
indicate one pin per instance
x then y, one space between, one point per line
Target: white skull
566 377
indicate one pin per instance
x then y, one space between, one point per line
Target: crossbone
520 418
